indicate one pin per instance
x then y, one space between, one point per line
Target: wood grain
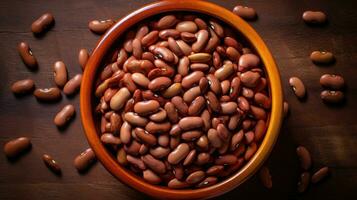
329 132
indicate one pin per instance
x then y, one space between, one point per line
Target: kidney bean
167 21
150 38
190 158
228 108
60 73
244 12
164 140
177 184
137 162
151 177
48 94
258 113
332 81
64 115
156 128
72 85
188 37
145 137
236 140
27 56
146 107
17 146
84 160
304 182
155 165
125 132
51 163
248 93
202 39
180 105
135 120
187 26
23 86
83 57
121 157
251 149
159 116
330 96
214 170
172 90
188 123
110 139
171 112
165 34
304 157
320 174
265 177
179 153
195 177
224 72
196 106
43 23
185 48
100 26
191 135
191 79
191 94
118 100
202 159
250 79
322 57
217 28
141 32
298 87
159 83
262 100
314 17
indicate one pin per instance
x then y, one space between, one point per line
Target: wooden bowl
105 45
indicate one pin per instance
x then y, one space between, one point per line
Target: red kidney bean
320 174
64 115
244 12
179 153
43 23
100 26
330 96
304 182
83 161
265 177
27 56
73 85
48 94
314 17
16 147
23 86
304 157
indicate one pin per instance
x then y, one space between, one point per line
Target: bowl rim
104 45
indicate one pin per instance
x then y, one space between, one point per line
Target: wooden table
330 133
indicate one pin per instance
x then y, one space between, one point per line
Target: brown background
330 133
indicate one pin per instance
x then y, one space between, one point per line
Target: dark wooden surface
330 133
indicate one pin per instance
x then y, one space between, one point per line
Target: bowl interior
103 53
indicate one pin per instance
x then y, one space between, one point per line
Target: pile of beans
183 104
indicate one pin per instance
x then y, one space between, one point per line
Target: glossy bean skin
64 115
83 57
48 94
322 57
17 146
320 174
314 17
27 55
51 164
23 86
60 73
100 26
84 160
332 81
304 157
42 23
298 87
332 97
73 85
245 12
